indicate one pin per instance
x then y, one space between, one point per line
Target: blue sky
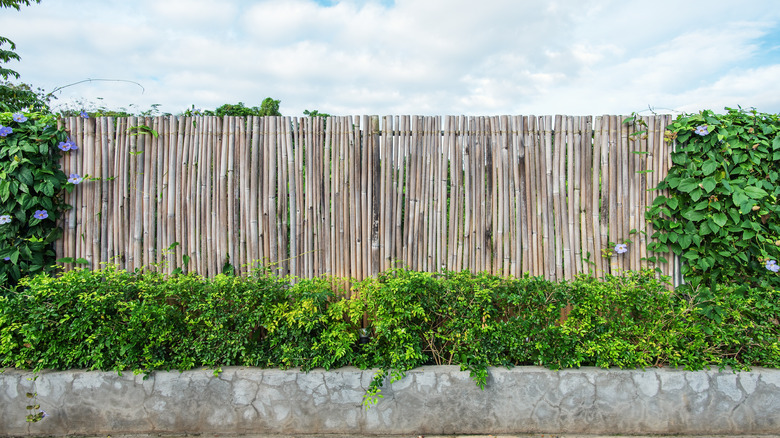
578 57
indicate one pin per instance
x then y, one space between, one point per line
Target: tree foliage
8 55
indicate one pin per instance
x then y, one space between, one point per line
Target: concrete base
430 400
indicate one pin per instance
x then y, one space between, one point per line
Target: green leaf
672 203
693 215
688 185
709 166
25 176
755 192
720 219
684 241
709 184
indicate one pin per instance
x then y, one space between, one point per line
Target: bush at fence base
112 319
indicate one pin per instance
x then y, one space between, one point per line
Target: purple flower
44 414
5 130
702 130
67 145
84 114
41 214
6 258
19 118
772 265
74 178
4 219
620 248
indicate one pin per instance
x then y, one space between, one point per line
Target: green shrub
112 319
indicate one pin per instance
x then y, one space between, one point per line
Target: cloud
403 57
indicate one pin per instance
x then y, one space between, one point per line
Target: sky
403 57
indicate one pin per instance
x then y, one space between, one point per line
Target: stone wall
430 400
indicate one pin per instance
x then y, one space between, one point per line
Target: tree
16 97
315 113
269 107
8 55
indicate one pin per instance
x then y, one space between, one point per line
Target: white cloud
412 57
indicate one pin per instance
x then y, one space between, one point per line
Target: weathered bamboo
358 198
531 161
401 208
587 235
107 226
552 250
521 224
559 181
576 208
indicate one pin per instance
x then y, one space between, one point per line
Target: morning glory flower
620 248
84 114
702 130
4 219
74 178
19 118
67 145
41 214
772 265
5 130
6 258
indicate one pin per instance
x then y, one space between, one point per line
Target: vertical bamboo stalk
559 184
401 207
587 235
120 191
374 195
295 195
597 181
576 214
551 244
533 182
506 194
109 156
326 205
386 201
615 190
521 229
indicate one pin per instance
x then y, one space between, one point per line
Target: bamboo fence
354 196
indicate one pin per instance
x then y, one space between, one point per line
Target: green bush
142 321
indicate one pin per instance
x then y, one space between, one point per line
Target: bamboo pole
615 191
374 195
587 230
108 182
532 166
401 199
576 207
386 202
521 225
506 195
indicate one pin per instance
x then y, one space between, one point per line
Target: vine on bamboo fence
32 186
722 214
